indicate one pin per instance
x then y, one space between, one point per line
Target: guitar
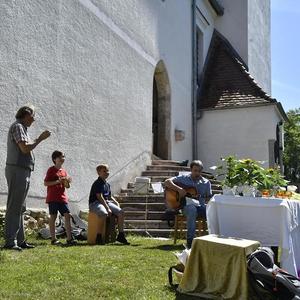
173 199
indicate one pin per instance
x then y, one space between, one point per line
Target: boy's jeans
191 212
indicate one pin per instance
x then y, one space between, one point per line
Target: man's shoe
71 242
55 243
122 239
25 245
13 247
189 244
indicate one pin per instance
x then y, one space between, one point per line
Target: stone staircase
143 213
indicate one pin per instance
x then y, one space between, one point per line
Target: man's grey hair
25 110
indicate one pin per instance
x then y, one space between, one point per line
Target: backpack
78 228
178 270
269 281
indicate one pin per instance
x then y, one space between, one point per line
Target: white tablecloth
272 222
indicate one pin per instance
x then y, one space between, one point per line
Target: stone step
146 224
123 198
127 191
168 167
141 215
140 198
169 173
162 178
138 206
165 162
167 233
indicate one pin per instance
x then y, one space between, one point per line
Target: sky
285 52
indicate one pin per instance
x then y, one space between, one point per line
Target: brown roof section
226 82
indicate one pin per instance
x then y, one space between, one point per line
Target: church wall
88 68
243 132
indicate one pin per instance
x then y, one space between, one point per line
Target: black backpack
269 281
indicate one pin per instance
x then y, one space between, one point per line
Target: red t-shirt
56 193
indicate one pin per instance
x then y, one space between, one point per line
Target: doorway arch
161 112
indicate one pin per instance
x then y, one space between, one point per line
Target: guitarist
203 187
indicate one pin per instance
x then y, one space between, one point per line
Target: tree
291 157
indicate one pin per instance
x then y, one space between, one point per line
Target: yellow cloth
217 268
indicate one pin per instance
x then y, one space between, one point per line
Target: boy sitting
103 204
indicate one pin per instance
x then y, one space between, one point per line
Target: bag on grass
178 271
268 280
59 229
78 228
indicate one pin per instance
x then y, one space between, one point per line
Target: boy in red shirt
56 181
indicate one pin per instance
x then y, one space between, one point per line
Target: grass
112 271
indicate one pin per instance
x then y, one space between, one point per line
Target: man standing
193 209
19 165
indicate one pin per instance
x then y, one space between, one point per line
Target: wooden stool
180 225
111 233
96 225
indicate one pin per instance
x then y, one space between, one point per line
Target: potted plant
227 171
246 176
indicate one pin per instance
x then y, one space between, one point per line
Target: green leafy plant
237 172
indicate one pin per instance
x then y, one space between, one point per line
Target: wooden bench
180 226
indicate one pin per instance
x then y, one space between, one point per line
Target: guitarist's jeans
191 212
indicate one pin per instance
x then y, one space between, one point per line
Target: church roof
218 8
226 81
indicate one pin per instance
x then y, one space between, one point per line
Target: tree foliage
291 156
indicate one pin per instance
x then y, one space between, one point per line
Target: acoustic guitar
173 199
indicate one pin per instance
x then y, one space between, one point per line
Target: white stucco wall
234 25
246 24
243 132
259 43
205 20
88 67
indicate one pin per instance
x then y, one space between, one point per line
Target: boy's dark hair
196 163
56 154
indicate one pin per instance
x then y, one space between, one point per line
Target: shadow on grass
178 296
123 245
167 247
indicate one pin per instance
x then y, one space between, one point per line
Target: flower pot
228 190
248 191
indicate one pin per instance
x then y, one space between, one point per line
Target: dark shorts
55 207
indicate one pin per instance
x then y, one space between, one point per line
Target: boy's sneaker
72 242
122 239
55 242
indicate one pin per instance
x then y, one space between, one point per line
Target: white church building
117 81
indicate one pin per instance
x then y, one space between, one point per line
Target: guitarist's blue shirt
203 186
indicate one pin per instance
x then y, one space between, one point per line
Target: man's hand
44 135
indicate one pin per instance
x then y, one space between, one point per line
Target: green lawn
112 271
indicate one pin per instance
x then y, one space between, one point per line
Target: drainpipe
194 83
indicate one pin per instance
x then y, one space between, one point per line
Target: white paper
183 256
157 188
